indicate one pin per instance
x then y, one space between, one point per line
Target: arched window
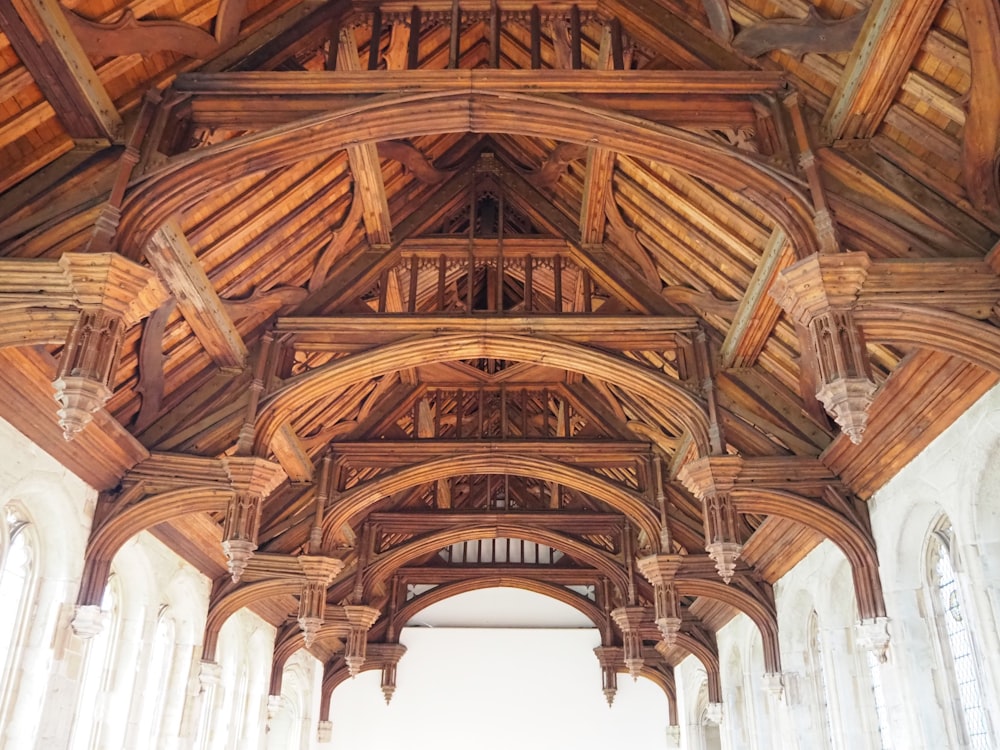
157 678
18 550
821 687
957 641
95 675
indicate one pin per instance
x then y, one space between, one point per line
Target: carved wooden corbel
319 573
661 571
361 619
629 621
610 658
711 479
113 294
252 479
820 293
391 654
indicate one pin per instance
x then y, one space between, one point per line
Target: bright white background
488 688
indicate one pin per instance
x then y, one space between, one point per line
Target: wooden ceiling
458 295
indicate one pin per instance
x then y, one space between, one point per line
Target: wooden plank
40 35
364 160
881 58
170 255
758 313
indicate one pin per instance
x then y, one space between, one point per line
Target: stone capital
209 673
713 713
774 684
113 283
324 731
711 475
821 283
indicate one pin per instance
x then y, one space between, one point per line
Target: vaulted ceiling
385 302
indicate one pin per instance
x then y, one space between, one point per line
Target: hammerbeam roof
508 258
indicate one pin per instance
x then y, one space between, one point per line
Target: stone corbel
252 479
713 713
661 571
774 684
209 674
819 293
360 619
324 731
88 621
113 294
873 635
711 479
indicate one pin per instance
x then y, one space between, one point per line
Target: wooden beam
600 169
364 160
890 38
173 258
41 37
625 332
292 455
758 313
388 453
566 521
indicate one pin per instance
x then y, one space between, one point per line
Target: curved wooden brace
560 593
294 640
381 569
666 683
416 113
304 389
930 328
108 538
709 659
334 679
28 326
231 602
855 543
762 615
622 499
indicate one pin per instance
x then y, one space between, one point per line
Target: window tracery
956 641
18 553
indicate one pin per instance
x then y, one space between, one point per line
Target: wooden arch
411 114
302 390
630 503
560 593
762 615
666 683
391 561
231 602
30 326
709 659
108 538
857 546
930 328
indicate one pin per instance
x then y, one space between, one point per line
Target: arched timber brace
621 498
709 658
439 593
107 538
388 563
855 542
477 111
689 411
